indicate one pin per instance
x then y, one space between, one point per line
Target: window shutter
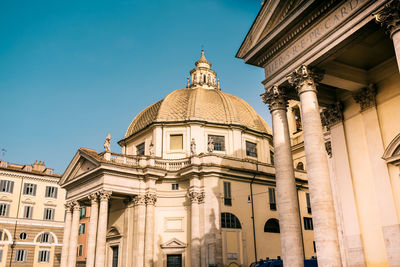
25 186
55 192
25 254
11 186
34 190
7 209
2 185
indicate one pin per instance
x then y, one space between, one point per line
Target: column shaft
102 229
325 229
73 240
195 235
91 245
67 232
149 235
396 44
288 207
140 231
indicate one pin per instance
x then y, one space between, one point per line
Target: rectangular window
219 142
4 208
308 203
20 255
48 214
83 212
6 186
28 210
308 224
315 249
140 149
227 194
79 252
81 228
29 189
271 154
44 256
175 186
272 199
176 142
251 149
51 191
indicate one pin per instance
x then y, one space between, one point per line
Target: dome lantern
203 76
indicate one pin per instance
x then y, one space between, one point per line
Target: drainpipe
252 215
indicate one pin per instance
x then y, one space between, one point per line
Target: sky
73 71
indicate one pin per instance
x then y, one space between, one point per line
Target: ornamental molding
196 196
275 97
332 115
328 148
150 198
305 79
366 97
389 17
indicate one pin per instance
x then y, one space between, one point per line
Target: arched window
228 220
45 238
300 166
297 118
272 226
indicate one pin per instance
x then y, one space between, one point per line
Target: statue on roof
107 145
193 147
210 147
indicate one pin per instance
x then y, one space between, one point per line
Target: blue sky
71 71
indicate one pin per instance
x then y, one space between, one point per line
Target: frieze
366 97
389 16
332 115
312 36
275 98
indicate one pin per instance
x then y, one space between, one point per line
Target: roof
199 104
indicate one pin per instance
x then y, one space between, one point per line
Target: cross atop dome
203 76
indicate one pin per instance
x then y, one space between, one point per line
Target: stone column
332 118
140 218
151 199
102 229
325 228
288 207
73 239
91 245
67 233
389 17
381 178
196 198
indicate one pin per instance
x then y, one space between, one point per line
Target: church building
194 185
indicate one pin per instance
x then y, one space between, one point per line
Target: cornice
24 175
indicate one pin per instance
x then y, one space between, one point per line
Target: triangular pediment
174 243
84 161
271 14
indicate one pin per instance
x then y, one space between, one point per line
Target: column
151 199
288 207
73 239
325 229
102 228
381 178
91 245
332 118
389 17
196 198
140 218
67 232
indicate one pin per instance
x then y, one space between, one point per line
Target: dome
200 105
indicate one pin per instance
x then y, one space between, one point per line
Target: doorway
174 260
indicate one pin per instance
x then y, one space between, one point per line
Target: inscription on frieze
314 34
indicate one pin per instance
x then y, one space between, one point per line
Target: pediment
5 198
82 162
271 14
174 243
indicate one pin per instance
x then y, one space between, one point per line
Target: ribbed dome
199 104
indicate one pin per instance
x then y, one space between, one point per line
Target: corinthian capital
105 195
150 198
139 200
94 198
332 115
196 196
68 206
275 98
366 97
304 79
389 16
